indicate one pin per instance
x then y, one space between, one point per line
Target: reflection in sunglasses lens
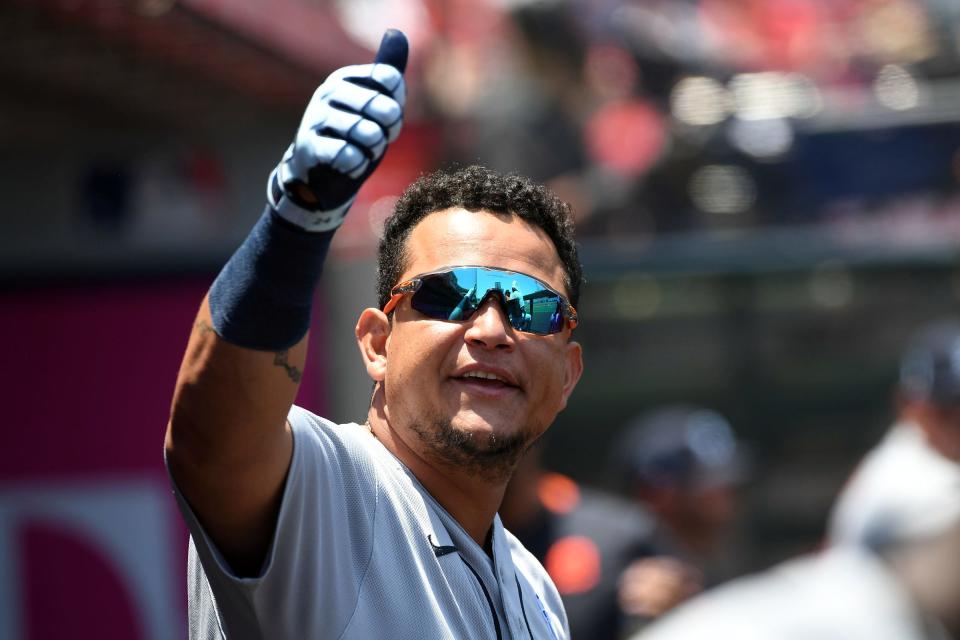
458 293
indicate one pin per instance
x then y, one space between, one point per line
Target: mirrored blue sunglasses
456 293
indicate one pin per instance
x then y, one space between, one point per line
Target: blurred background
767 197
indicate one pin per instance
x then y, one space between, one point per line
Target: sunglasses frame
412 285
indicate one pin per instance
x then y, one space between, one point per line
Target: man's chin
477 446
484 433
484 439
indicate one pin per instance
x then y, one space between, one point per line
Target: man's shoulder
302 416
320 443
307 424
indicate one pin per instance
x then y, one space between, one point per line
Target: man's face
434 402
941 423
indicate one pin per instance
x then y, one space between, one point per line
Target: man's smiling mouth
485 380
484 375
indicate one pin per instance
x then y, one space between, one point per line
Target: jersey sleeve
320 551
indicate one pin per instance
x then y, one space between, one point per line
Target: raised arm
228 445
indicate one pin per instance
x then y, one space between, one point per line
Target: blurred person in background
619 563
901 585
583 536
927 429
684 466
891 570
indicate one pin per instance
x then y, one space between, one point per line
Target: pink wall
91 545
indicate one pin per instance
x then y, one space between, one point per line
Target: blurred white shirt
903 490
844 593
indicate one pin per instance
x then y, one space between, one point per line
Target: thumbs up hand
345 130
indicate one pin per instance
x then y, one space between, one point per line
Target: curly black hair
476 188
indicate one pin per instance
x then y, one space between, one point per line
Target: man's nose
489 327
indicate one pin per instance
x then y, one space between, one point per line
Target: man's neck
471 500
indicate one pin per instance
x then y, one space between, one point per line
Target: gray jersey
362 550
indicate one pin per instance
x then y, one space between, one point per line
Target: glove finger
353 127
370 137
336 123
400 93
288 154
394 130
338 154
397 91
350 160
386 113
336 89
380 108
382 78
390 79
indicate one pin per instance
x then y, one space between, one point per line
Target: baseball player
301 528
878 504
891 570
684 465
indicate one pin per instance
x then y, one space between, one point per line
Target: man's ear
573 369
372 331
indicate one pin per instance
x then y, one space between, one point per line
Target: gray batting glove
344 133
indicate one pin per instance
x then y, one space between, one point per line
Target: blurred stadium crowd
665 116
767 199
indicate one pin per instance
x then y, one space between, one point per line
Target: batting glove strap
298 213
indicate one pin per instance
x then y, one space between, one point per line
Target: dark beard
493 458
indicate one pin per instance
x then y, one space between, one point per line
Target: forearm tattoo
203 327
280 360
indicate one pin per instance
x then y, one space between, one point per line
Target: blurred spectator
583 537
892 570
683 465
908 588
619 563
878 507
844 592
538 105
661 116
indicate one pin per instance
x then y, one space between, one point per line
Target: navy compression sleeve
263 295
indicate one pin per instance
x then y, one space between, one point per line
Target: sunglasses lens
446 296
456 294
545 311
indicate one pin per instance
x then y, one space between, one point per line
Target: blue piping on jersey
523 609
546 618
493 611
